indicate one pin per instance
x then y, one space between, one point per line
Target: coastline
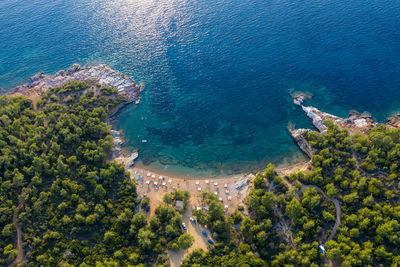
286 168
130 90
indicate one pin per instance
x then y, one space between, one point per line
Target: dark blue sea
218 74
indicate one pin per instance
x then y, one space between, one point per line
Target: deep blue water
218 74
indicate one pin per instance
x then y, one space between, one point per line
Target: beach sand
155 184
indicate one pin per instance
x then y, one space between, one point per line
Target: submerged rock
299 98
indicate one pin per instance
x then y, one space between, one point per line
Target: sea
218 75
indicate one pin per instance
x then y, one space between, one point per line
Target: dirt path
337 207
195 230
333 200
21 255
285 228
286 171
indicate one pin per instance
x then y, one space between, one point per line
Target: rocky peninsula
101 75
356 122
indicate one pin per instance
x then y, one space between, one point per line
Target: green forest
72 206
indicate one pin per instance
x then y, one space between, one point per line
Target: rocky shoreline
118 154
101 75
104 76
356 122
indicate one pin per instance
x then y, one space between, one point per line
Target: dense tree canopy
75 207
289 217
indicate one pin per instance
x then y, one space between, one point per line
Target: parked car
321 247
192 220
184 226
210 241
204 233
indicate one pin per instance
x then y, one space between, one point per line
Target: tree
185 241
293 210
100 192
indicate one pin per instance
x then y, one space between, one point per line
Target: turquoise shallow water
218 74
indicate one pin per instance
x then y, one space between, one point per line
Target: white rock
360 123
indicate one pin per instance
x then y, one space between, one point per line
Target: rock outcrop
100 74
128 160
299 137
117 143
356 122
393 121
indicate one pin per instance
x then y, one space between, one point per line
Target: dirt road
200 241
335 203
21 255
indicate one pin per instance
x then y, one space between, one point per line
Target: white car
184 226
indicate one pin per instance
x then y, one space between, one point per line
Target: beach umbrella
147 182
170 181
160 178
216 193
197 182
227 191
207 181
229 198
226 206
155 183
164 184
225 185
148 174
220 198
153 176
215 183
198 188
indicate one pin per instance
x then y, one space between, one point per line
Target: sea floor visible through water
218 74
